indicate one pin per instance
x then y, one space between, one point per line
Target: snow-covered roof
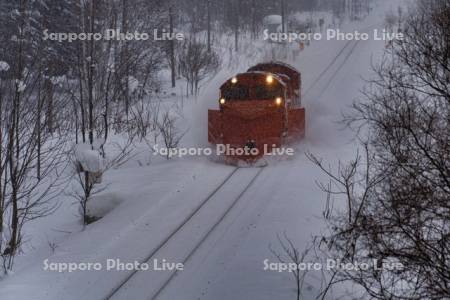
274 75
275 62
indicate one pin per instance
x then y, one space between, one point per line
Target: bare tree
398 214
170 133
86 181
290 254
197 63
31 159
90 165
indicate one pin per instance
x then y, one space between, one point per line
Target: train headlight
222 101
234 80
279 101
269 79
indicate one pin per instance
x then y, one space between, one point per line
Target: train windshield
266 92
237 92
259 92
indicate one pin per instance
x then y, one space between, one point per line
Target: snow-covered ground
147 202
285 197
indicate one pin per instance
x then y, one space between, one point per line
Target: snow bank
100 205
89 160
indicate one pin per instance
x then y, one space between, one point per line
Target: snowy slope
151 202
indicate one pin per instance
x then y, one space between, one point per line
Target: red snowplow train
259 110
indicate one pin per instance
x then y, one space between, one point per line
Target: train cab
259 109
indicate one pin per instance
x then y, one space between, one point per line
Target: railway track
336 72
184 241
192 232
333 62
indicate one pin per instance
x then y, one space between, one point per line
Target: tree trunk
49 97
13 150
39 132
208 6
125 58
82 109
91 77
172 48
1 171
236 25
83 72
254 33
